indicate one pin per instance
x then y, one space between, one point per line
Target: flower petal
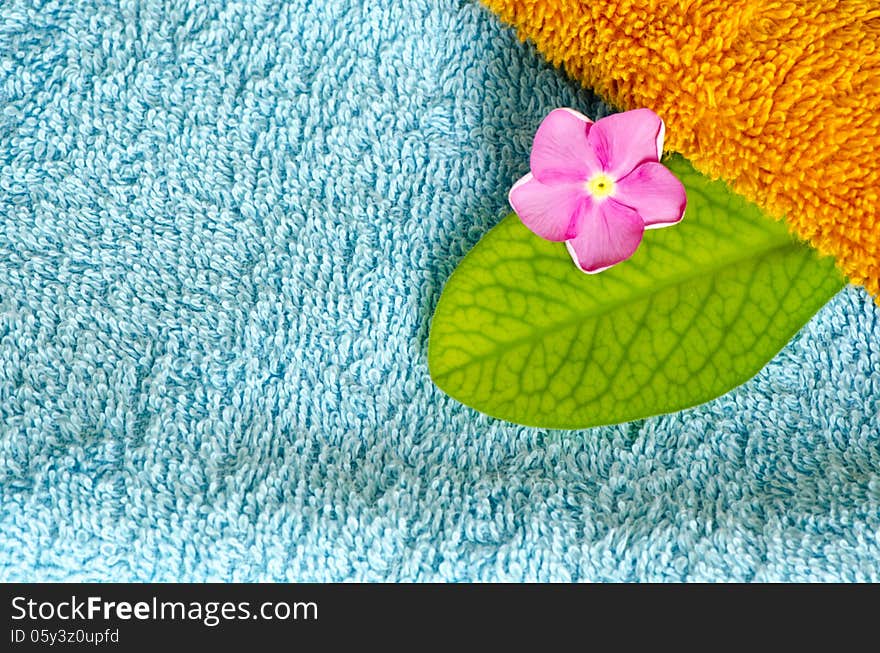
561 151
608 233
653 191
549 211
622 141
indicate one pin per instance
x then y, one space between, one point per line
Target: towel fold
779 98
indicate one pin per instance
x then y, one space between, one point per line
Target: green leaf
519 333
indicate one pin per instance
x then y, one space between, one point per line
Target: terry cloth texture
780 98
224 229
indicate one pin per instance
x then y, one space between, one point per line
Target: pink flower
598 186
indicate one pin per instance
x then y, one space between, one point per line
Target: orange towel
779 98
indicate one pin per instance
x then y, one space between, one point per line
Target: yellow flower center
600 186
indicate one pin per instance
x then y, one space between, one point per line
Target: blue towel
225 227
